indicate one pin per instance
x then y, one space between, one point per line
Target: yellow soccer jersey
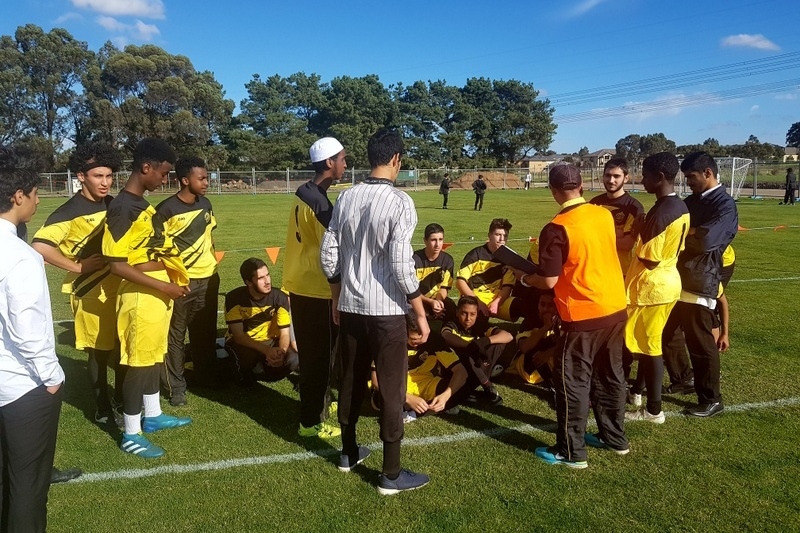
76 230
728 256
189 227
262 319
131 236
485 276
653 276
308 219
433 275
427 370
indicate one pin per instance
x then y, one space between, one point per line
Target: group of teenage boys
611 284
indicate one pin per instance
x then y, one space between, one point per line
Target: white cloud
584 7
145 32
66 17
110 23
788 96
746 40
754 109
153 9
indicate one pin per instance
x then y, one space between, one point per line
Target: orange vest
590 285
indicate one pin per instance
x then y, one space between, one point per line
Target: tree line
55 92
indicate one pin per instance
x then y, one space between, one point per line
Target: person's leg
652 372
697 325
28 428
202 327
387 338
173 378
608 385
245 360
480 206
97 365
355 371
676 362
315 334
132 393
444 200
477 197
572 378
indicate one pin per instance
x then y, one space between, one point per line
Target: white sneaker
409 416
634 399
644 414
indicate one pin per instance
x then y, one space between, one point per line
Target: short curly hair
19 170
88 156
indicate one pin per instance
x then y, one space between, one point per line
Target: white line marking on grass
422 441
762 280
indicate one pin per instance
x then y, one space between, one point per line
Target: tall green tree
629 147
793 135
145 91
654 143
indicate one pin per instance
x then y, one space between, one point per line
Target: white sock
133 423
152 405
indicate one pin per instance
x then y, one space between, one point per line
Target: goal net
732 173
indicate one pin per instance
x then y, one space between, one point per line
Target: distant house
540 163
598 158
791 153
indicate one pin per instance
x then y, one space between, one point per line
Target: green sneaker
323 430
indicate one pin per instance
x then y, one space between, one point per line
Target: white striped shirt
368 246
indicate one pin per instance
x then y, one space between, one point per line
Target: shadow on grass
272 409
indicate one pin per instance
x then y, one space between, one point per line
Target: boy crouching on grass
433 379
536 357
477 347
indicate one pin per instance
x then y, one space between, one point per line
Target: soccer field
241 467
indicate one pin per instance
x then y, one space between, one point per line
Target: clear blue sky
658 56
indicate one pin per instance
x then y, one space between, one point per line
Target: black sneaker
492 396
680 388
177 400
407 480
347 462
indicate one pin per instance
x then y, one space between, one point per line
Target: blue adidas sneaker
138 445
163 421
551 457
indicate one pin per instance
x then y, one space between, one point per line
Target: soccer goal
732 172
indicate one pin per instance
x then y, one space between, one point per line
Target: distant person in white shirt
367 257
528 181
30 377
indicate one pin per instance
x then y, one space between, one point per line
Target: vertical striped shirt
368 247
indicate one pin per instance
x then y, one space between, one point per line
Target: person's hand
438 403
275 357
52 389
175 291
424 329
723 342
437 306
483 308
93 263
416 403
335 311
494 305
519 274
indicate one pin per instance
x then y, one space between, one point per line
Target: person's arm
82 266
498 300
453 340
716 233
417 404
29 328
723 342
500 336
329 260
529 343
130 273
457 381
422 320
553 248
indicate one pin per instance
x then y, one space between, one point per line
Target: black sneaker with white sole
407 480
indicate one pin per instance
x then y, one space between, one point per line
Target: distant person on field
714 222
528 180
444 190
479 186
31 379
187 219
72 239
653 283
791 187
258 321
309 290
434 269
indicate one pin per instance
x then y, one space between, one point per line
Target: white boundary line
423 441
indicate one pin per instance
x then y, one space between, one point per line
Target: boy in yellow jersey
187 219
152 277
71 239
477 345
536 358
258 327
309 290
434 269
488 280
434 379
653 284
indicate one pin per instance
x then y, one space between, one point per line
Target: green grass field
241 467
